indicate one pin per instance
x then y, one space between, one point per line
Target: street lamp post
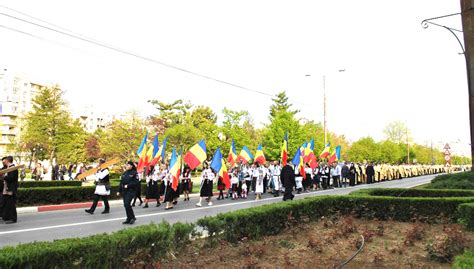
467 11
325 106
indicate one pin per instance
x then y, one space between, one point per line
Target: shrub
466 212
116 250
52 183
447 245
416 233
465 261
463 180
60 195
253 223
414 192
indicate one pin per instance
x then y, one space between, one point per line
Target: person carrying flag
207 178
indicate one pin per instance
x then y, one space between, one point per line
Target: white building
93 119
16 94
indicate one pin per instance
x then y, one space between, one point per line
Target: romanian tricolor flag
284 150
325 152
142 153
152 150
245 156
156 148
232 159
162 151
259 156
336 155
299 164
196 155
218 165
175 169
309 151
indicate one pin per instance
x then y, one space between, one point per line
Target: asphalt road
48 226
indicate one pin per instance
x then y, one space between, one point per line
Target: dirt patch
326 244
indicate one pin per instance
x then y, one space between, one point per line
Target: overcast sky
395 69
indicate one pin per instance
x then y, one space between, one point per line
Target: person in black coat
128 189
345 174
352 175
288 180
10 187
370 173
4 166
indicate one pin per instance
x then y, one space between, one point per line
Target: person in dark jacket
345 174
10 187
352 175
4 166
370 173
288 180
128 189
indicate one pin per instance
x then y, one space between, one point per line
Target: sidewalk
45 208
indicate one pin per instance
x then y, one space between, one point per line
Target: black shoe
175 202
158 204
140 203
145 206
132 221
10 221
133 205
105 212
89 211
126 222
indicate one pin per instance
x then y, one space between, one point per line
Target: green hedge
271 219
61 195
55 183
466 212
464 180
122 249
465 261
414 192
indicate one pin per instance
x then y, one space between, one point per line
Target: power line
41 38
119 50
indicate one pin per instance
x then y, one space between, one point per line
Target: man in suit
10 188
288 181
4 166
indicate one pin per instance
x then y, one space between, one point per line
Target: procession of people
246 181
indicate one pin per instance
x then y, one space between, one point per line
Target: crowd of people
56 172
245 179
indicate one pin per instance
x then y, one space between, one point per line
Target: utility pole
408 144
325 128
467 17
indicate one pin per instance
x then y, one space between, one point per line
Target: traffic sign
447 152
447 158
447 146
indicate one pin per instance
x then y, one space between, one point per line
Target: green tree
397 132
280 103
122 138
172 113
390 152
364 149
237 125
47 121
282 122
72 144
